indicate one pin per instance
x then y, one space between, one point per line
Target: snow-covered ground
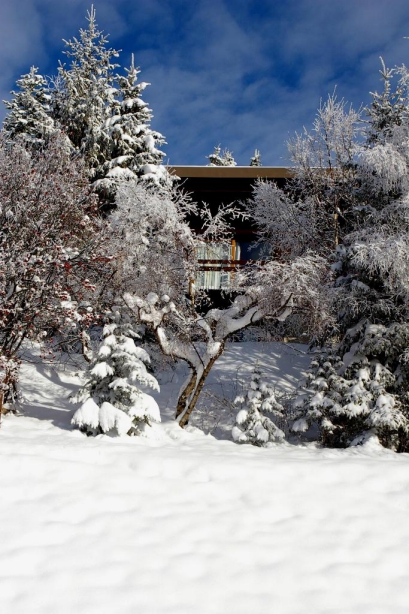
183 523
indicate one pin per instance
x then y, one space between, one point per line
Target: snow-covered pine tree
387 109
215 157
256 422
227 158
221 158
29 111
84 92
256 158
101 112
112 398
134 147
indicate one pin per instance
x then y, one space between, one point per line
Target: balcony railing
217 274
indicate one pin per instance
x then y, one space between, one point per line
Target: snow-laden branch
157 264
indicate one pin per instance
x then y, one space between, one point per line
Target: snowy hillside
183 523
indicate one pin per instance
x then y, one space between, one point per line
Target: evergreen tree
101 112
350 402
218 158
29 111
84 92
133 151
260 410
256 159
112 397
387 109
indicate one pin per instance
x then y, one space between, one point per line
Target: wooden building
217 185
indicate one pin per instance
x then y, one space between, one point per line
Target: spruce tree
112 398
351 402
84 92
29 112
101 113
221 158
133 146
260 411
256 158
387 109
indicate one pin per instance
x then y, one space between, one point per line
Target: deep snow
183 523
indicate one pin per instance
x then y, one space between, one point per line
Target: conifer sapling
260 410
112 398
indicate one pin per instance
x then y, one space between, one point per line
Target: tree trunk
188 399
336 223
183 400
86 352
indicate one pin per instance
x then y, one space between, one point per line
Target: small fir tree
259 413
256 159
112 399
221 158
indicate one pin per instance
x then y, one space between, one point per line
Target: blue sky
242 73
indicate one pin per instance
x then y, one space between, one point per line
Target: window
216 265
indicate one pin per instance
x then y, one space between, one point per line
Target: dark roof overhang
237 172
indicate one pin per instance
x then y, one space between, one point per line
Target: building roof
233 172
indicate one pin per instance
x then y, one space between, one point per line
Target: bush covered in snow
9 377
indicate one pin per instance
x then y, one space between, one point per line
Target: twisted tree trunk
190 394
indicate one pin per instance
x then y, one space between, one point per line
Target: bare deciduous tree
51 260
157 260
